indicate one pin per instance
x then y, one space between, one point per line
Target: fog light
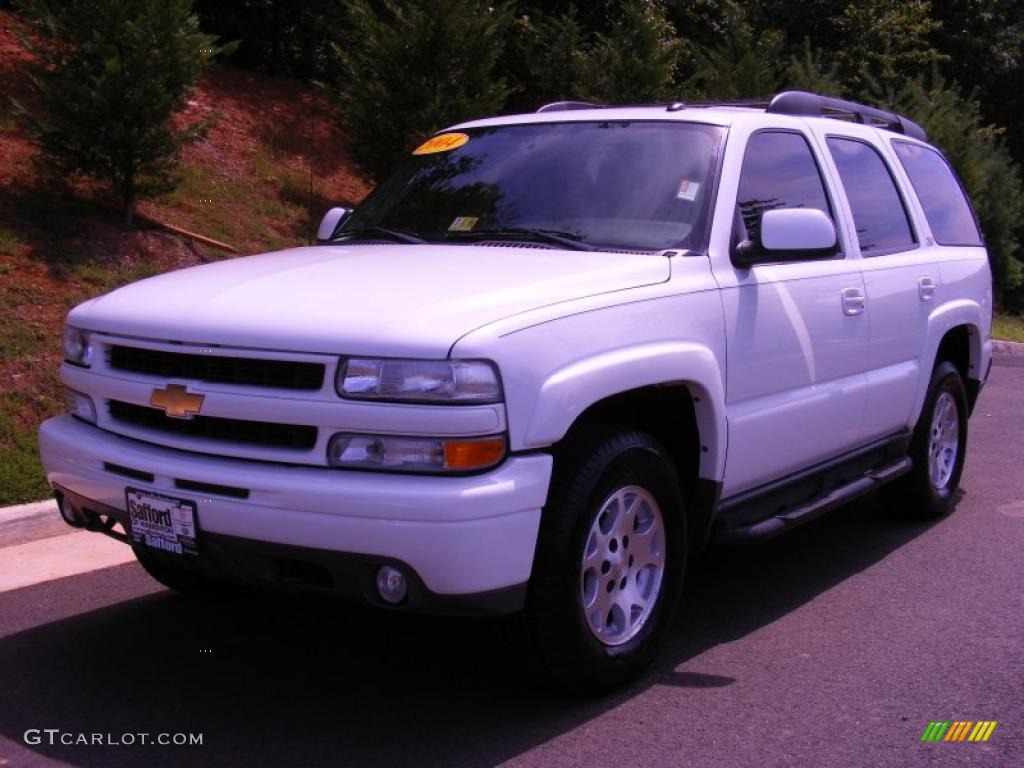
81 405
391 584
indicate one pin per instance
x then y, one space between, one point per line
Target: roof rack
812 104
802 103
561 106
797 103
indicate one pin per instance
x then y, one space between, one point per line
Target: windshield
613 184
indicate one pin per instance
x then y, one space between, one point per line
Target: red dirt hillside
247 183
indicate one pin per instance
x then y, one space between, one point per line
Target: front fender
570 390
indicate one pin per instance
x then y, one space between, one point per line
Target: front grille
215 428
280 374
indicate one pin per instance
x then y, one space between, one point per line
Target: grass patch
250 216
1008 328
21 474
20 339
21 334
10 243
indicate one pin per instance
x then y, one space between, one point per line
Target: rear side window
943 199
779 171
878 212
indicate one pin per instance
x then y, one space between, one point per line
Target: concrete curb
1007 348
26 511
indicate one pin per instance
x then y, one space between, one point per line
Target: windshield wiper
569 240
395 234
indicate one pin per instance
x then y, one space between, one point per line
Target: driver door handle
853 301
926 288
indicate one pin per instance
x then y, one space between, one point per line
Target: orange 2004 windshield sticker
443 142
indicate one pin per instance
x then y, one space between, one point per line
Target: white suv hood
371 299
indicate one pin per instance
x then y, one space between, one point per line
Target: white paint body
791 364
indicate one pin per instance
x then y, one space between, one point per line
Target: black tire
915 494
587 473
169 572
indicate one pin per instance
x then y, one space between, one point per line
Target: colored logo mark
958 730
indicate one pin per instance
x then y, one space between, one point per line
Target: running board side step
816 507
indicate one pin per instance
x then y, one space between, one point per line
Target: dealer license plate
162 522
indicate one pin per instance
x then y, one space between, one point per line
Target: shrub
402 72
109 74
635 61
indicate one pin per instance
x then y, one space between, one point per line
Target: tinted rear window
943 199
878 212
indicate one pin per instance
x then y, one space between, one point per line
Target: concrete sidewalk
28 522
37 546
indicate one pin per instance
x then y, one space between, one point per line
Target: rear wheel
937 449
610 560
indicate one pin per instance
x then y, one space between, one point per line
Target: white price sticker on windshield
688 190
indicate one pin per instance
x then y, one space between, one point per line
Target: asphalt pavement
835 645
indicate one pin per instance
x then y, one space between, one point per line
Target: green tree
746 64
109 74
402 71
636 60
885 42
810 72
983 40
991 178
279 36
548 59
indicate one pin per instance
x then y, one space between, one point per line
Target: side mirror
789 234
329 224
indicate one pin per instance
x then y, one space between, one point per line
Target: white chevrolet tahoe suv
545 362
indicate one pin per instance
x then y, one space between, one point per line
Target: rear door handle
853 301
926 288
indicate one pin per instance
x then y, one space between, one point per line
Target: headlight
421 381
415 454
77 346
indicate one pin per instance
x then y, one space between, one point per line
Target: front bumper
460 536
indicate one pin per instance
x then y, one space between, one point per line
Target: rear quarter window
945 205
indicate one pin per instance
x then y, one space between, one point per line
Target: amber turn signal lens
473 454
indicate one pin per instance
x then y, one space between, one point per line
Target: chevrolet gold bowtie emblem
176 401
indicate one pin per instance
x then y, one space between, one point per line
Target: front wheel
610 560
937 449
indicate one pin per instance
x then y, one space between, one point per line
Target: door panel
796 386
900 278
897 329
796 331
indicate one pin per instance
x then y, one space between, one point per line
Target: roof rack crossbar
813 105
561 106
751 103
